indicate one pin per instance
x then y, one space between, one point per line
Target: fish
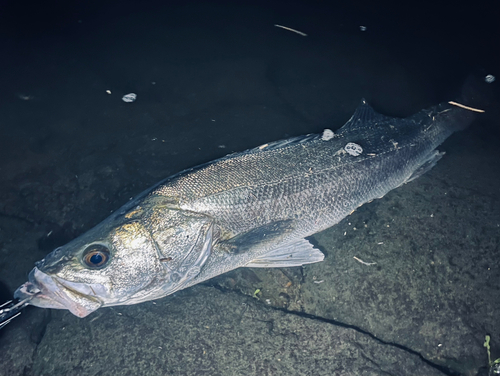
254 208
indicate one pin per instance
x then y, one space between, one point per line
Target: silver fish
248 209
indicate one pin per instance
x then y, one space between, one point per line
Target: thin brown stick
292 30
465 107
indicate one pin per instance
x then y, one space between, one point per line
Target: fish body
248 209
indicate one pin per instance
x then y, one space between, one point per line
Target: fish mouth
47 291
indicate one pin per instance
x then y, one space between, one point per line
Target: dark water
216 77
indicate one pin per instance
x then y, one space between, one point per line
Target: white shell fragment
362 28
327 135
129 97
353 149
489 78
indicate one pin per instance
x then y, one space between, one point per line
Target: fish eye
96 256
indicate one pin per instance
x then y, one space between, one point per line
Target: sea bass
250 209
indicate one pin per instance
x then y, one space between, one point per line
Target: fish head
118 264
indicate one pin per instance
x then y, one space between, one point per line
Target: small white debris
362 28
263 146
129 98
221 146
108 91
489 78
268 301
353 149
327 135
318 282
25 97
363 262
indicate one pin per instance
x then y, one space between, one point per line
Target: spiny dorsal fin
363 117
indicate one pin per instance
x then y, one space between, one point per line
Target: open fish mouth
52 292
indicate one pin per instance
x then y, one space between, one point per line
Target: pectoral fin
267 235
295 254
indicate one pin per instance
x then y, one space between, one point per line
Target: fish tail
477 91
475 99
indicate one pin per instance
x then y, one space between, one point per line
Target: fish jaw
45 291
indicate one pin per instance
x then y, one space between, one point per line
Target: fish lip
47 291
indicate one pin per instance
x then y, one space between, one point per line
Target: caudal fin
476 98
478 91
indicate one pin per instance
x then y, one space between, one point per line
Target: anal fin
426 166
294 254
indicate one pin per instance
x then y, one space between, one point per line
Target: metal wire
11 309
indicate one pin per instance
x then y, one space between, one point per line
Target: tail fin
477 91
476 97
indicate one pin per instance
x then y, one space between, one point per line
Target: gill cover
189 265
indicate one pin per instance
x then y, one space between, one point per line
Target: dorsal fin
363 117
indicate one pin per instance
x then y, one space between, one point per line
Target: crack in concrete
445 370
